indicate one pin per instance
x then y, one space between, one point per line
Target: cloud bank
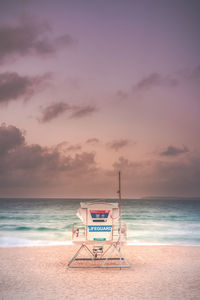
33 169
160 178
24 166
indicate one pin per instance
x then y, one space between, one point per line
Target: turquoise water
49 221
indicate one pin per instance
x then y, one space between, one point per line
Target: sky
91 87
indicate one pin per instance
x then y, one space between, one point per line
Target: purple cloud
118 144
160 178
153 80
147 82
10 138
54 110
14 86
82 111
29 37
25 166
174 151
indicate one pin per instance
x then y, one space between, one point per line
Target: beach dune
157 272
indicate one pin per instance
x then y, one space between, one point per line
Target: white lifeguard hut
101 235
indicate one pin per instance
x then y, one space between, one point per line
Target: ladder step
110 258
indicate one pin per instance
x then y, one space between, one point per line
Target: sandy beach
157 272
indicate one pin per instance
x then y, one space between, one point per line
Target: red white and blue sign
99 214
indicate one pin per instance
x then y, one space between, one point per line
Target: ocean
31 222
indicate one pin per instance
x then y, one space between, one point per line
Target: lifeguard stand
101 235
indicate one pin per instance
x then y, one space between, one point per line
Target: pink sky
88 88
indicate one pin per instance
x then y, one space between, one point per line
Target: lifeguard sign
99 218
101 234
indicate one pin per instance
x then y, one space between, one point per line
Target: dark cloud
157 79
160 178
118 144
83 111
54 110
127 166
65 147
29 37
174 151
36 170
153 80
150 81
10 138
25 166
92 141
74 148
14 86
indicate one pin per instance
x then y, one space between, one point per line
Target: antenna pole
120 205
